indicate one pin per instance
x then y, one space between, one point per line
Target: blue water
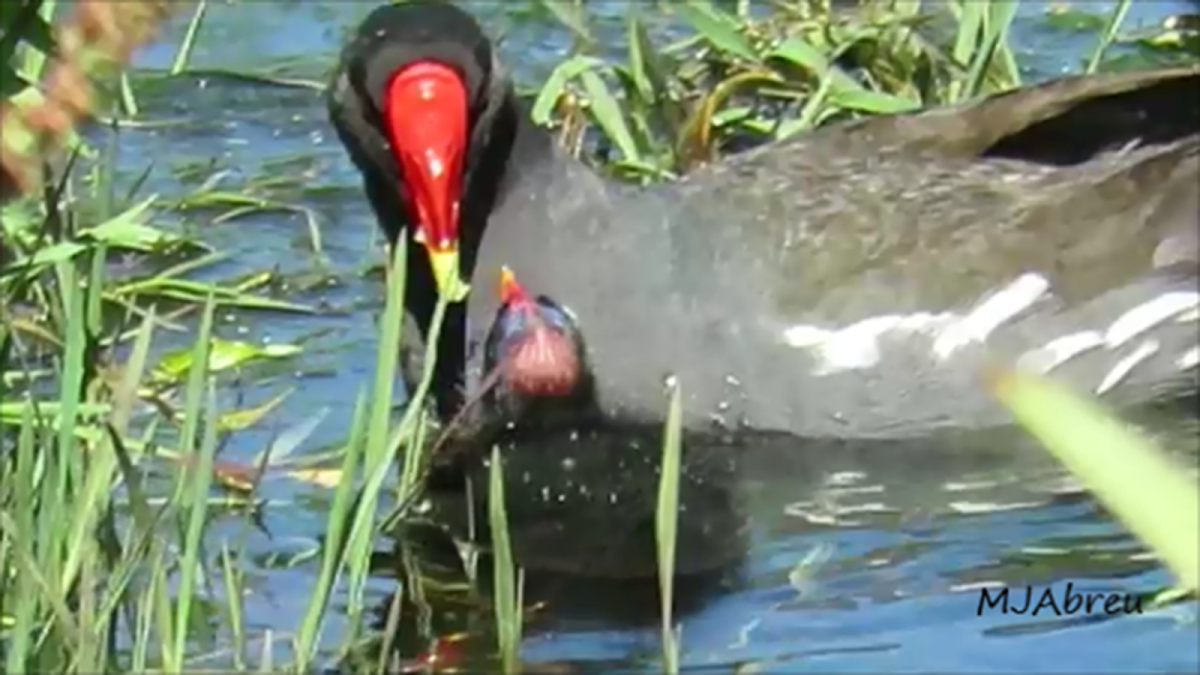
900 586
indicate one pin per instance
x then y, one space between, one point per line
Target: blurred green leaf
195 291
20 22
571 16
666 524
128 231
696 141
1107 36
798 51
641 54
223 355
556 85
608 113
844 91
872 102
1068 18
1156 498
53 254
11 412
719 29
237 420
506 579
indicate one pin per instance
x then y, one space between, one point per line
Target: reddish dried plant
98 33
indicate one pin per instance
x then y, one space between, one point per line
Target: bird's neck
515 417
507 145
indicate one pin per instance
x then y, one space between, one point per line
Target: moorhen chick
818 286
580 493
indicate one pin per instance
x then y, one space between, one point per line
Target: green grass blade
640 57
609 114
233 593
129 104
200 404
143 625
572 16
73 354
508 609
1154 497
63 617
22 599
998 18
125 397
666 520
970 25
379 453
184 54
162 614
1116 19
542 111
720 30
387 357
332 559
34 62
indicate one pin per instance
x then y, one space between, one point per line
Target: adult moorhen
581 490
810 286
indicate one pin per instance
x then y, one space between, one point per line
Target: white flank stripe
1149 314
1122 368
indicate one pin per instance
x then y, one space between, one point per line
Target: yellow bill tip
445 273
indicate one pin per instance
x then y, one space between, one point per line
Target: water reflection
799 550
910 532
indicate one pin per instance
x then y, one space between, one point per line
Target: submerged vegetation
112 407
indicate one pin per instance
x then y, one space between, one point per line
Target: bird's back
718 277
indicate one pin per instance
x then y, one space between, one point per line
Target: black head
542 359
394 36
537 382
416 103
